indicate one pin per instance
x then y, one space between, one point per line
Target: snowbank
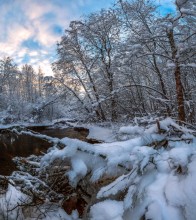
131 130
100 134
108 209
151 176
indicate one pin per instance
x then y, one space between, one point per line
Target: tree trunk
161 83
177 73
180 96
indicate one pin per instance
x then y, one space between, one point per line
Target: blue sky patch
31 44
26 59
50 16
57 29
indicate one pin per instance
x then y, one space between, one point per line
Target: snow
79 170
191 64
9 201
107 210
156 182
119 184
169 64
188 11
56 213
131 130
155 186
100 133
12 200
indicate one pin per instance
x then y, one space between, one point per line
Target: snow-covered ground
101 134
154 171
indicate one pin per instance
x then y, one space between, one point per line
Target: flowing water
25 145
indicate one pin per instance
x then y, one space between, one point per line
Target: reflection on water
24 145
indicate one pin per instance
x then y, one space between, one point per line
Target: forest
127 75
114 65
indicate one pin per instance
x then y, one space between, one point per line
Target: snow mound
131 130
100 134
107 210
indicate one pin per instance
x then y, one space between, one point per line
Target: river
26 145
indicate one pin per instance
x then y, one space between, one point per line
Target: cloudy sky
29 29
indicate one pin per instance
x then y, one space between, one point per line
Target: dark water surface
25 145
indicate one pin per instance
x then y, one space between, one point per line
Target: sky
30 29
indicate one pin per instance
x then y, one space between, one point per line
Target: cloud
30 28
